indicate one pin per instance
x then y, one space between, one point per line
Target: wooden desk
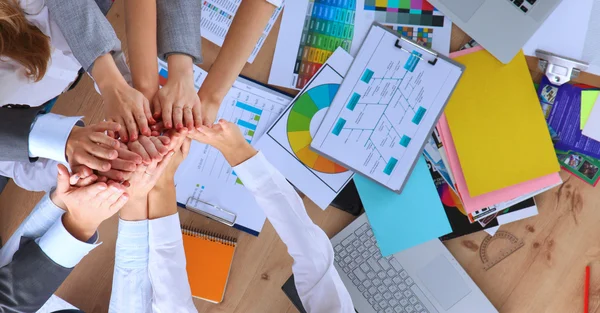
546 275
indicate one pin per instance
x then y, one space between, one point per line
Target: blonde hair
22 41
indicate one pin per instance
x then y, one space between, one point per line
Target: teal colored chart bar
405 141
353 101
366 77
390 166
246 124
419 115
248 108
337 129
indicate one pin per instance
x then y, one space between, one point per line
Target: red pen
586 291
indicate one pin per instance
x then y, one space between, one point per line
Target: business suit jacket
90 35
15 125
29 280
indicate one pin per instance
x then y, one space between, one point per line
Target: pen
586 290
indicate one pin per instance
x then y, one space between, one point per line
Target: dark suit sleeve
15 125
29 280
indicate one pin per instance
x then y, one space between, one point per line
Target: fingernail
168 125
76 176
171 153
113 188
102 187
126 196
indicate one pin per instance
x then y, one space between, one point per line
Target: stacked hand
228 139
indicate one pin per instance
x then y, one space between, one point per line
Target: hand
146 176
89 146
150 148
177 102
123 166
227 138
86 207
129 108
180 144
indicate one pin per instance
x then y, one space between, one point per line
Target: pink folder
472 204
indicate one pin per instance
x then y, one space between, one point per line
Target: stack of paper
498 151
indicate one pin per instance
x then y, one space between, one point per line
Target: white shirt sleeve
49 134
317 281
166 267
131 289
64 249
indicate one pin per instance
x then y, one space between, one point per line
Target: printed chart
413 12
205 174
385 109
287 143
329 24
304 109
421 35
217 16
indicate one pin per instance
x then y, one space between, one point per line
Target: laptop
422 279
501 26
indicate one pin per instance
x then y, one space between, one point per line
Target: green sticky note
588 98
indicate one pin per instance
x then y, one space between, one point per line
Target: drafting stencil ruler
503 244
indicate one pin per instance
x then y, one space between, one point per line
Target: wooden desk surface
546 275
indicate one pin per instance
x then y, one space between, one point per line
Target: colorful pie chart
298 127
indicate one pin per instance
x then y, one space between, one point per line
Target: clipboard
349 98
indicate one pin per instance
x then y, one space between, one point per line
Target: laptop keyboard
382 281
523 5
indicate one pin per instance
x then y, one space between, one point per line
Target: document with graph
205 183
386 107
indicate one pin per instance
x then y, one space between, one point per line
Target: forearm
247 27
85 28
140 23
162 200
106 73
15 125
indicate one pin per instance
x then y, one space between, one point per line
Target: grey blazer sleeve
86 29
15 125
29 280
178 28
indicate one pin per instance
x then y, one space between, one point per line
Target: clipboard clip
228 218
401 40
559 69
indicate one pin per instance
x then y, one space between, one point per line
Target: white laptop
423 279
501 26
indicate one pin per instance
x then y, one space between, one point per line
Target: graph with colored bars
217 16
421 35
329 24
412 12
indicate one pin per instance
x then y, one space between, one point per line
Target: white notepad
386 107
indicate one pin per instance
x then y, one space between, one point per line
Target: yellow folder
497 124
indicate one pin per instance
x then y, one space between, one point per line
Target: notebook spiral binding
195 232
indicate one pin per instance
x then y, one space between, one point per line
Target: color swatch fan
302 124
287 143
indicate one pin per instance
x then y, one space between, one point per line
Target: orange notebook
208 259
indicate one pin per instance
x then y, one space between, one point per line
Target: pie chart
309 109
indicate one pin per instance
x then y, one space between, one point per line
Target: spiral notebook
208 258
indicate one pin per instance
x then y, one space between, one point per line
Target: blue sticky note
402 221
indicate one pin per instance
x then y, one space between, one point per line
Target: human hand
146 176
89 146
87 207
227 138
129 108
180 144
122 167
177 101
150 148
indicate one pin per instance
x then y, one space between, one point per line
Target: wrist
166 181
81 230
180 66
238 155
106 74
57 201
70 145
